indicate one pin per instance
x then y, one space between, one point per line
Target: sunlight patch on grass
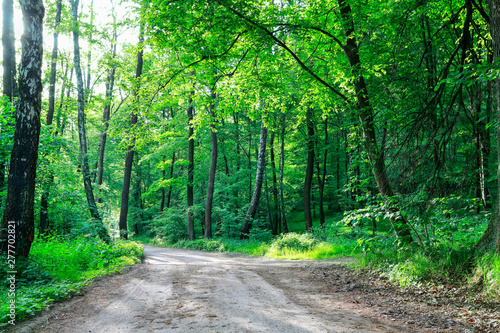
323 250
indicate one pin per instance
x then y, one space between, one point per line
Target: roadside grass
487 273
58 268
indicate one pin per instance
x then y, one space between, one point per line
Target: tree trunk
190 195
284 224
53 66
162 202
376 156
169 195
89 55
322 178
110 82
44 202
18 220
261 166
129 159
309 170
211 173
9 70
491 237
275 217
94 212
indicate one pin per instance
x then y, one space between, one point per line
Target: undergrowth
57 268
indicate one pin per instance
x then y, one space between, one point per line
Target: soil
189 291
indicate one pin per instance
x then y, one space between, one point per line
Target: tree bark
309 170
190 194
491 237
129 159
44 202
17 230
211 173
94 212
261 166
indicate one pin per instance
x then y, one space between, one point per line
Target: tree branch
285 47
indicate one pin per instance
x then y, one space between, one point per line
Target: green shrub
210 245
293 241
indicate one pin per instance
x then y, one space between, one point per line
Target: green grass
322 250
58 268
488 271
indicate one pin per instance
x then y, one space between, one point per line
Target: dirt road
190 291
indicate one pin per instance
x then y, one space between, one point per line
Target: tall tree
284 224
309 170
190 173
84 158
18 218
129 159
259 177
322 177
212 171
491 237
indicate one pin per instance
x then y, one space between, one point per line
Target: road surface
183 291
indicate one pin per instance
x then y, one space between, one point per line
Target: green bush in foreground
58 268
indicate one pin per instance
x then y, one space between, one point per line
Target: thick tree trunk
129 159
376 155
309 170
94 212
190 183
211 173
259 177
9 70
17 230
44 202
284 224
491 237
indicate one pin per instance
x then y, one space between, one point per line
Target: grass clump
58 268
487 274
417 264
294 241
308 247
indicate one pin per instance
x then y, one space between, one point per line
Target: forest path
178 290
